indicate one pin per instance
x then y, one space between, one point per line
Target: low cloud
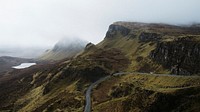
42 23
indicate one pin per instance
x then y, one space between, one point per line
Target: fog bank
42 23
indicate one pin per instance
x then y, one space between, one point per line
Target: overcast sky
44 22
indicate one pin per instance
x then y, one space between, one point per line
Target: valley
6 63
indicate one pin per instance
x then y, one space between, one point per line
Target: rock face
146 37
114 29
157 47
89 45
182 56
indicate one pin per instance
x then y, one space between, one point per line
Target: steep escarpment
182 55
156 47
114 29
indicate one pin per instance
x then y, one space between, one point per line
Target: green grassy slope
137 93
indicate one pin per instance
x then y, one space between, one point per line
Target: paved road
153 74
88 93
89 90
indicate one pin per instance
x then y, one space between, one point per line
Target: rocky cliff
156 47
115 29
181 56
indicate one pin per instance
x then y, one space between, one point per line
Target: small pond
24 65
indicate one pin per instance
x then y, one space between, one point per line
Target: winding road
88 93
89 90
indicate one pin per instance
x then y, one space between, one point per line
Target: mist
42 23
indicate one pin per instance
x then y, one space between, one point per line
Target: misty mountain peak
69 43
65 48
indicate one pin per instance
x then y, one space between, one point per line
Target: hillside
149 93
141 47
156 48
65 48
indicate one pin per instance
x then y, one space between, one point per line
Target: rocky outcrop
114 29
89 46
182 56
146 37
122 90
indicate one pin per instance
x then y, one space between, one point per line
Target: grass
110 106
163 83
150 87
36 100
125 44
